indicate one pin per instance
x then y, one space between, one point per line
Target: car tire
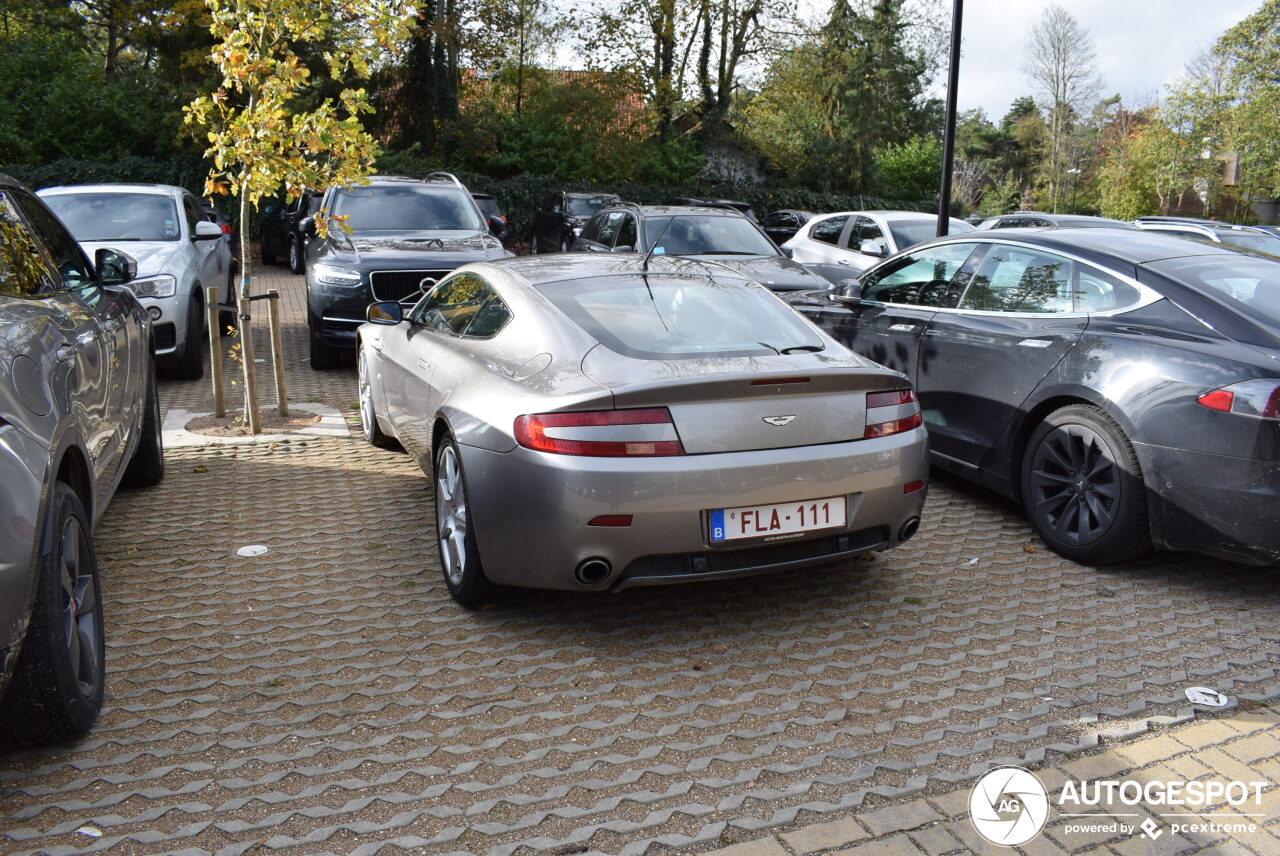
57 687
297 261
368 412
323 357
190 365
1083 488
455 536
266 252
146 467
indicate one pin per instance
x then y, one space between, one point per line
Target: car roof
671 210
887 215
1135 246
122 187
550 268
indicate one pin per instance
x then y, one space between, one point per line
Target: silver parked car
598 422
842 245
179 252
78 416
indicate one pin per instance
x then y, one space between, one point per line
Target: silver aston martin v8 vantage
598 423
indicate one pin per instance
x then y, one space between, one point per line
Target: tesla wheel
190 365
266 252
1083 489
456 537
297 263
322 356
146 467
368 413
57 686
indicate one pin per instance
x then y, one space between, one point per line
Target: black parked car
1123 385
561 217
493 217
716 234
783 225
79 415
406 234
282 235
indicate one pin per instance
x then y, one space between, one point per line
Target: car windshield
407 208
1257 241
908 233
661 317
708 234
97 216
585 207
1250 285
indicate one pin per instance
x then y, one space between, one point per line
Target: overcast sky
1141 44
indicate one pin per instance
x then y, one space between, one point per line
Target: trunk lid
734 404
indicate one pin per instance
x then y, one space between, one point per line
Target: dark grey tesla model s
1124 386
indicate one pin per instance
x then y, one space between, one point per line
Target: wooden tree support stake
277 350
215 351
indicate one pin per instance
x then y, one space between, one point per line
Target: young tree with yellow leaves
259 139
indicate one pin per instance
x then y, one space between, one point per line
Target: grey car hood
777 273
407 249
152 256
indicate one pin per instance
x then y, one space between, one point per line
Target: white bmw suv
178 251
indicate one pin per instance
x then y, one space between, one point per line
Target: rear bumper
1217 505
530 510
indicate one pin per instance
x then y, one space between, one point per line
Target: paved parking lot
329 697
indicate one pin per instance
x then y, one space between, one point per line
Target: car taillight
226 228
1257 398
891 412
641 433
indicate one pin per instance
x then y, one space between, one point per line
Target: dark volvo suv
405 234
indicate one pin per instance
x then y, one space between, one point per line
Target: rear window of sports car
1248 284
662 317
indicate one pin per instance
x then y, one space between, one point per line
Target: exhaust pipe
908 529
593 571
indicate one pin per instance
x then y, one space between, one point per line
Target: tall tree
1061 63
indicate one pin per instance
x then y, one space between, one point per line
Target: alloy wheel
368 419
451 515
81 612
1075 484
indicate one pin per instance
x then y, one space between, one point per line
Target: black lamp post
949 133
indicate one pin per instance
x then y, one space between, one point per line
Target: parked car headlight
334 275
155 286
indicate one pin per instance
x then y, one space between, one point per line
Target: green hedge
519 196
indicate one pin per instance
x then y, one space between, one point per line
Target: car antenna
644 265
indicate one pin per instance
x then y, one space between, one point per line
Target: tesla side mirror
848 292
307 226
206 231
386 312
872 248
788 252
115 268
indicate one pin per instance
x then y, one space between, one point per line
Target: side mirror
206 231
788 252
307 226
386 312
496 226
872 248
624 249
115 268
848 292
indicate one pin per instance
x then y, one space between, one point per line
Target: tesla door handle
1036 343
842 261
902 328
424 365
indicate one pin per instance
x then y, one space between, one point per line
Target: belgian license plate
788 518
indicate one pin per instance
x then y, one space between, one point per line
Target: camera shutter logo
1008 806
